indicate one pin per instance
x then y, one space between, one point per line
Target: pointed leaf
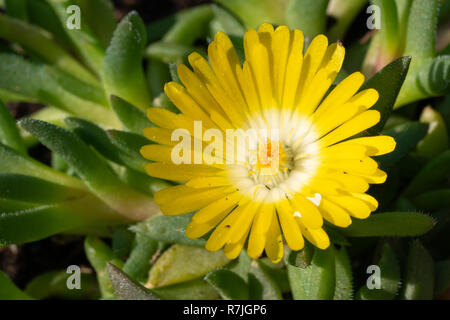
435 172
390 278
418 283
181 263
387 82
401 224
228 284
407 136
169 229
308 16
9 290
9 133
122 68
132 118
421 33
344 278
262 285
99 178
197 289
126 288
315 282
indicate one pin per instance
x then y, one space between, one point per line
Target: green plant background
96 83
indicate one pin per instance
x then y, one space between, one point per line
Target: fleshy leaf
181 263
122 68
436 140
9 290
169 229
406 136
228 284
132 118
93 170
418 283
402 224
53 284
390 278
308 16
344 278
262 286
430 79
126 288
197 289
435 172
387 82
317 281
9 133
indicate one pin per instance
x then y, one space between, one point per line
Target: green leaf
390 278
87 45
344 279
34 82
226 22
170 52
435 172
197 289
436 140
442 283
53 284
401 224
141 256
99 254
277 272
344 12
433 200
9 290
132 118
123 74
430 79
30 189
317 281
190 25
18 220
126 288
9 133
16 163
228 284
129 143
40 43
93 135
122 241
169 229
421 33
302 258
261 284
255 12
241 266
308 16
99 178
100 18
418 283
406 136
387 82
181 263
17 9
389 32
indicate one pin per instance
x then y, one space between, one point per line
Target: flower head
297 167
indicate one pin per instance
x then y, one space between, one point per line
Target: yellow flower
320 173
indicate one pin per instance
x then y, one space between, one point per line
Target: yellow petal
354 206
377 145
181 172
334 214
354 126
259 230
317 237
309 214
291 230
160 135
274 241
213 209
